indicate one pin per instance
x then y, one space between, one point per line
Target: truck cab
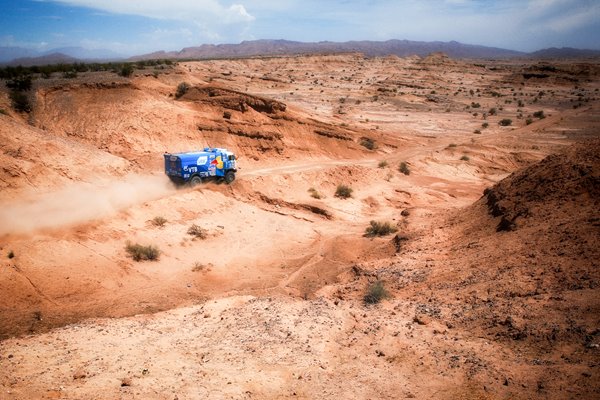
196 166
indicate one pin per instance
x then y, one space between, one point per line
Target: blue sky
131 27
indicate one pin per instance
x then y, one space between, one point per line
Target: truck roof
206 150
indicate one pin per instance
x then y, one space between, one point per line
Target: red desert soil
491 278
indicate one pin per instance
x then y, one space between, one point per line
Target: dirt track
274 293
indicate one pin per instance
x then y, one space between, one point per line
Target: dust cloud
79 203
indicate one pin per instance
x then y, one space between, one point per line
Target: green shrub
197 232
505 122
539 114
485 125
3 111
158 221
140 253
475 105
528 121
452 145
492 111
182 89
375 293
465 158
19 83
380 229
126 70
20 101
477 131
70 74
343 192
404 168
382 164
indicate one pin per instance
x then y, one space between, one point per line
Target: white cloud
187 10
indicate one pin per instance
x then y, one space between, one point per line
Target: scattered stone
125 382
422 319
79 374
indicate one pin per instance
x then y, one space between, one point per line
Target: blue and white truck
196 166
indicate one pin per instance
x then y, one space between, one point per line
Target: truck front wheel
195 181
229 177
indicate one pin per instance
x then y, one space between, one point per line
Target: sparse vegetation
382 164
11 254
528 121
140 253
20 101
452 145
343 191
227 114
126 70
375 293
492 111
404 168
539 114
475 105
368 143
485 125
182 89
198 267
3 111
380 229
465 158
158 221
314 193
505 122
477 131
197 232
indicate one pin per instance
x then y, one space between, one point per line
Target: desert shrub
382 164
539 114
343 192
380 229
375 293
140 253
158 221
19 83
485 125
528 121
126 70
3 111
465 158
314 193
492 111
475 105
452 145
198 267
505 122
477 131
11 254
197 231
182 89
20 101
404 168
520 103
368 143
70 74
227 114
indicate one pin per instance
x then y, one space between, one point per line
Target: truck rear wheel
195 181
229 177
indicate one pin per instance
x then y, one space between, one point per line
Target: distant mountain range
28 57
401 48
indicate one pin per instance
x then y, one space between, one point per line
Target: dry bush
380 229
140 253
343 192
505 122
375 293
197 232
404 168
158 221
382 164
314 193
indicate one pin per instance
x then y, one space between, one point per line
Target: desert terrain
489 171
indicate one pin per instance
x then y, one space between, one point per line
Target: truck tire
229 177
195 181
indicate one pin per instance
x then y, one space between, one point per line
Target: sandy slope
269 305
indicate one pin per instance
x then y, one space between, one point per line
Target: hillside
486 172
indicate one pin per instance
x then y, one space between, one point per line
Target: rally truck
197 166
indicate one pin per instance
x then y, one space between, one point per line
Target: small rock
79 374
422 319
125 382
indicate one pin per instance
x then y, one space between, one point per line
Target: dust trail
79 203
